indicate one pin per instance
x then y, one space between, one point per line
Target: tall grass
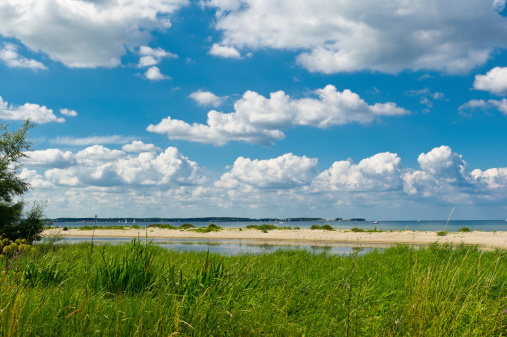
138 289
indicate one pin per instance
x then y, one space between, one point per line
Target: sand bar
483 239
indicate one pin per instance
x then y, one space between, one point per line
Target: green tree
15 223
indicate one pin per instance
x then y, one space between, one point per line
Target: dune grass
139 289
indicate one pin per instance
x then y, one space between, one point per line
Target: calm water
234 247
229 247
425 225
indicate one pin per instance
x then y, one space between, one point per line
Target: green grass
442 233
464 230
139 289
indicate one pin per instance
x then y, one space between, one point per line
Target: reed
140 289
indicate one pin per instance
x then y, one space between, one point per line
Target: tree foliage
15 223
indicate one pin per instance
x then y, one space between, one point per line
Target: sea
235 247
415 225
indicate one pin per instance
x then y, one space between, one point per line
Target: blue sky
174 108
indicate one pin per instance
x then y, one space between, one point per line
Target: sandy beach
483 239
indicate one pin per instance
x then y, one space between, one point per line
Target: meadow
139 289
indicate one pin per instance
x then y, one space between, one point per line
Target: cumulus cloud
49 158
153 180
37 113
68 112
258 119
10 56
34 179
381 172
139 146
154 74
224 51
115 139
356 35
495 81
467 108
287 171
493 179
151 57
100 166
53 27
206 98
443 172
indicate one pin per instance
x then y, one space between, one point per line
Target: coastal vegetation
326 227
15 221
268 227
143 290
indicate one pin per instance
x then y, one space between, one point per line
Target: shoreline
489 240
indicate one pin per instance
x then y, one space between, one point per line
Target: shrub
442 233
327 227
65 228
357 230
264 227
315 227
187 226
464 230
211 228
157 225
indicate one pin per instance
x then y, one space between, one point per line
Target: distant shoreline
482 239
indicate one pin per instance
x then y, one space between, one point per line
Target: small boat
125 220
134 221
375 222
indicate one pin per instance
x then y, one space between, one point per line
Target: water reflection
232 247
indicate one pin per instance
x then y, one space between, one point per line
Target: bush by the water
267 227
326 227
210 228
464 230
442 233
140 289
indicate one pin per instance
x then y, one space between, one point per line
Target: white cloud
37 113
356 35
139 146
287 171
100 166
206 98
381 172
112 181
34 179
115 139
102 28
98 154
68 112
443 174
444 163
258 120
10 56
154 74
151 57
224 51
467 108
495 81
54 158
494 178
